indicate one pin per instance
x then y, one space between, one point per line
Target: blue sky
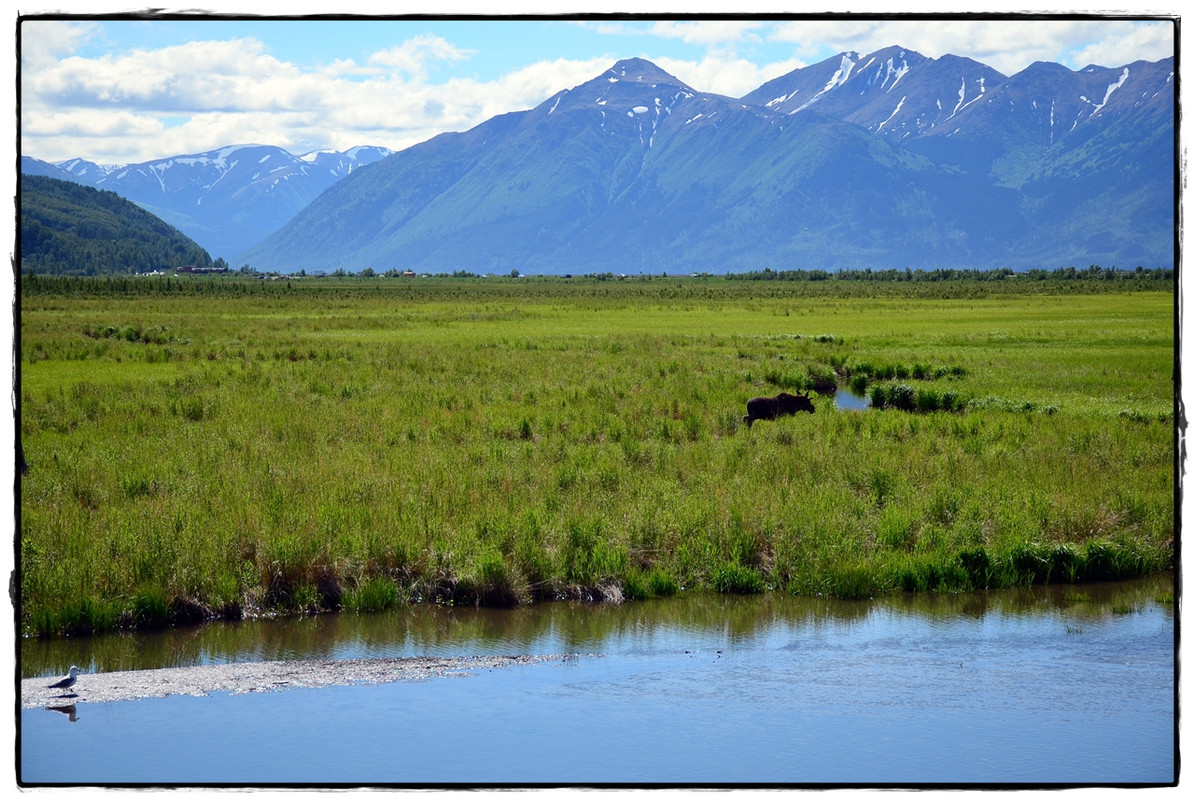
121 91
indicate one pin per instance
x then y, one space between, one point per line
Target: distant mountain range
883 160
226 200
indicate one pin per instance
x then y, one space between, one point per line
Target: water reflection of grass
571 627
471 442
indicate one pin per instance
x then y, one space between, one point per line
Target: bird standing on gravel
68 681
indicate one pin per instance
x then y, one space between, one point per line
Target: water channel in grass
1069 685
846 400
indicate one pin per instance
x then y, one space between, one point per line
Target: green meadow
220 447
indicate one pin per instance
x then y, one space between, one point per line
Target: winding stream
1046 686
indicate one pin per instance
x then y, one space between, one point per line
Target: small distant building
189 270
408 273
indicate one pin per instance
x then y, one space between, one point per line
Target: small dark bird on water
68 681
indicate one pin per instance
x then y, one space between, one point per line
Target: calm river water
1060 686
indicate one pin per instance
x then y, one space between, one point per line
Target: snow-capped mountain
34 166
962 113
893 92
882 160
228 199
889 159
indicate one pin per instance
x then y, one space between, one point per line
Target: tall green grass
358 445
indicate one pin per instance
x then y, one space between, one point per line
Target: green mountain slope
636 172
68 229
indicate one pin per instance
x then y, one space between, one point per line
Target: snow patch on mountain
1124 76
895 111
782 99
963 102
837 79
81 168
889 71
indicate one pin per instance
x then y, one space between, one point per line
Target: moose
782 405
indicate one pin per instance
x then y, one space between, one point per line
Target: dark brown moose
782 405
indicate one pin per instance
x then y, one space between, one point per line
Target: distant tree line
120 285
1093 272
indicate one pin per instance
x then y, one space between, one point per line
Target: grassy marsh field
233 447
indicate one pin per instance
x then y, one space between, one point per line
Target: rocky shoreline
257 676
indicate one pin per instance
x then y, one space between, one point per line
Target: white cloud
191 77
146 104
1006 45
412 56
83 124
234 91
730 76
707 32
531 85
43 42
1146 42
142 104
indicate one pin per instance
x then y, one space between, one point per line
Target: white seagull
68 681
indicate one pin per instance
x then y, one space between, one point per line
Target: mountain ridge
635 171
888 159
227 198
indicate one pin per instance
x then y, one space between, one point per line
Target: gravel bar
257 676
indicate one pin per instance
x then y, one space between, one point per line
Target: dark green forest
69 229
